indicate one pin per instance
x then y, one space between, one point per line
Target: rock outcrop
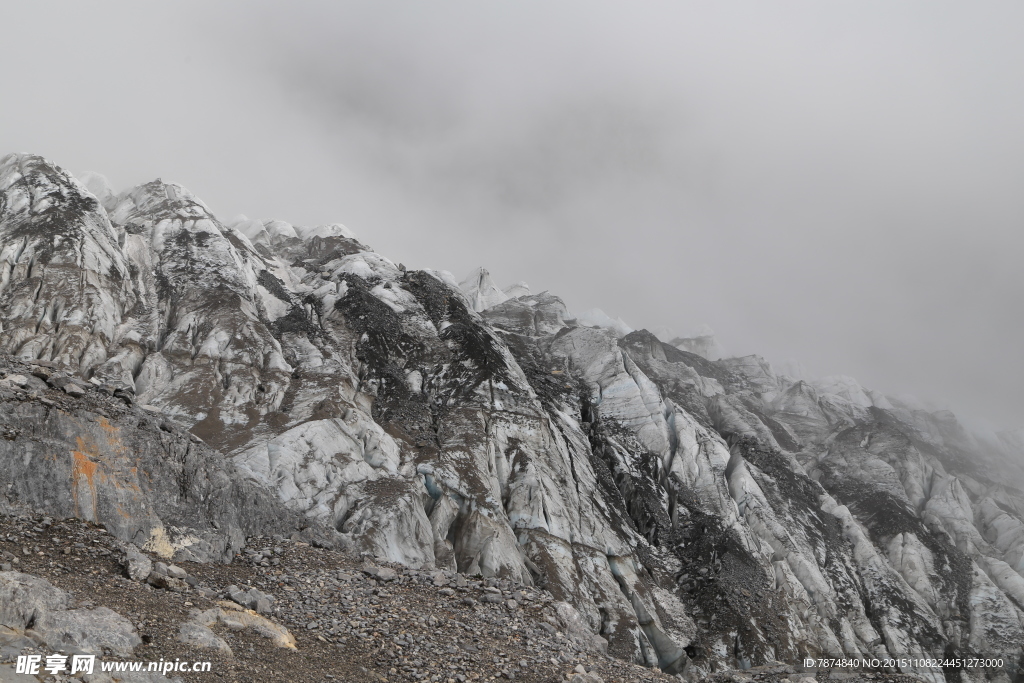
31 607
696 514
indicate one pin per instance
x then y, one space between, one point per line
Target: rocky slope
698 514
323 616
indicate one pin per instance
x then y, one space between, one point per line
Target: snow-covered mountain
699 513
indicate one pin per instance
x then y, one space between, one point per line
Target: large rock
149 483
32 607
137 564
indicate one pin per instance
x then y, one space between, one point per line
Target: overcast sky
838 183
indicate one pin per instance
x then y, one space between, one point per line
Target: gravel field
351 620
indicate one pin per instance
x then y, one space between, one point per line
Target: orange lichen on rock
83 467
113 435
105 425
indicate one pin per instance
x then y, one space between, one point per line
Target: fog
837 183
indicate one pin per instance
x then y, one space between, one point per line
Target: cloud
835 183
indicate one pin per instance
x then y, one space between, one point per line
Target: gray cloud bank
832 182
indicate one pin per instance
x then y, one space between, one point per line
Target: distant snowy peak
257 230
99 186
850 389
530 314
481 290
663 333
518 289
159 198
702 342
329 230
595 317
250 227
792 368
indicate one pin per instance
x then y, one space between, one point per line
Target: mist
833 183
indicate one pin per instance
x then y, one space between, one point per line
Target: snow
176 192
276 228
367 264
844 387
701 342
664 334
251 228
444 276
99 186
518 289
595 317
240 236
481 290
330 230
17 201
10 171
274 307
394 297
793 369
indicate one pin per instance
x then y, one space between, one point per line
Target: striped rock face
696 514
